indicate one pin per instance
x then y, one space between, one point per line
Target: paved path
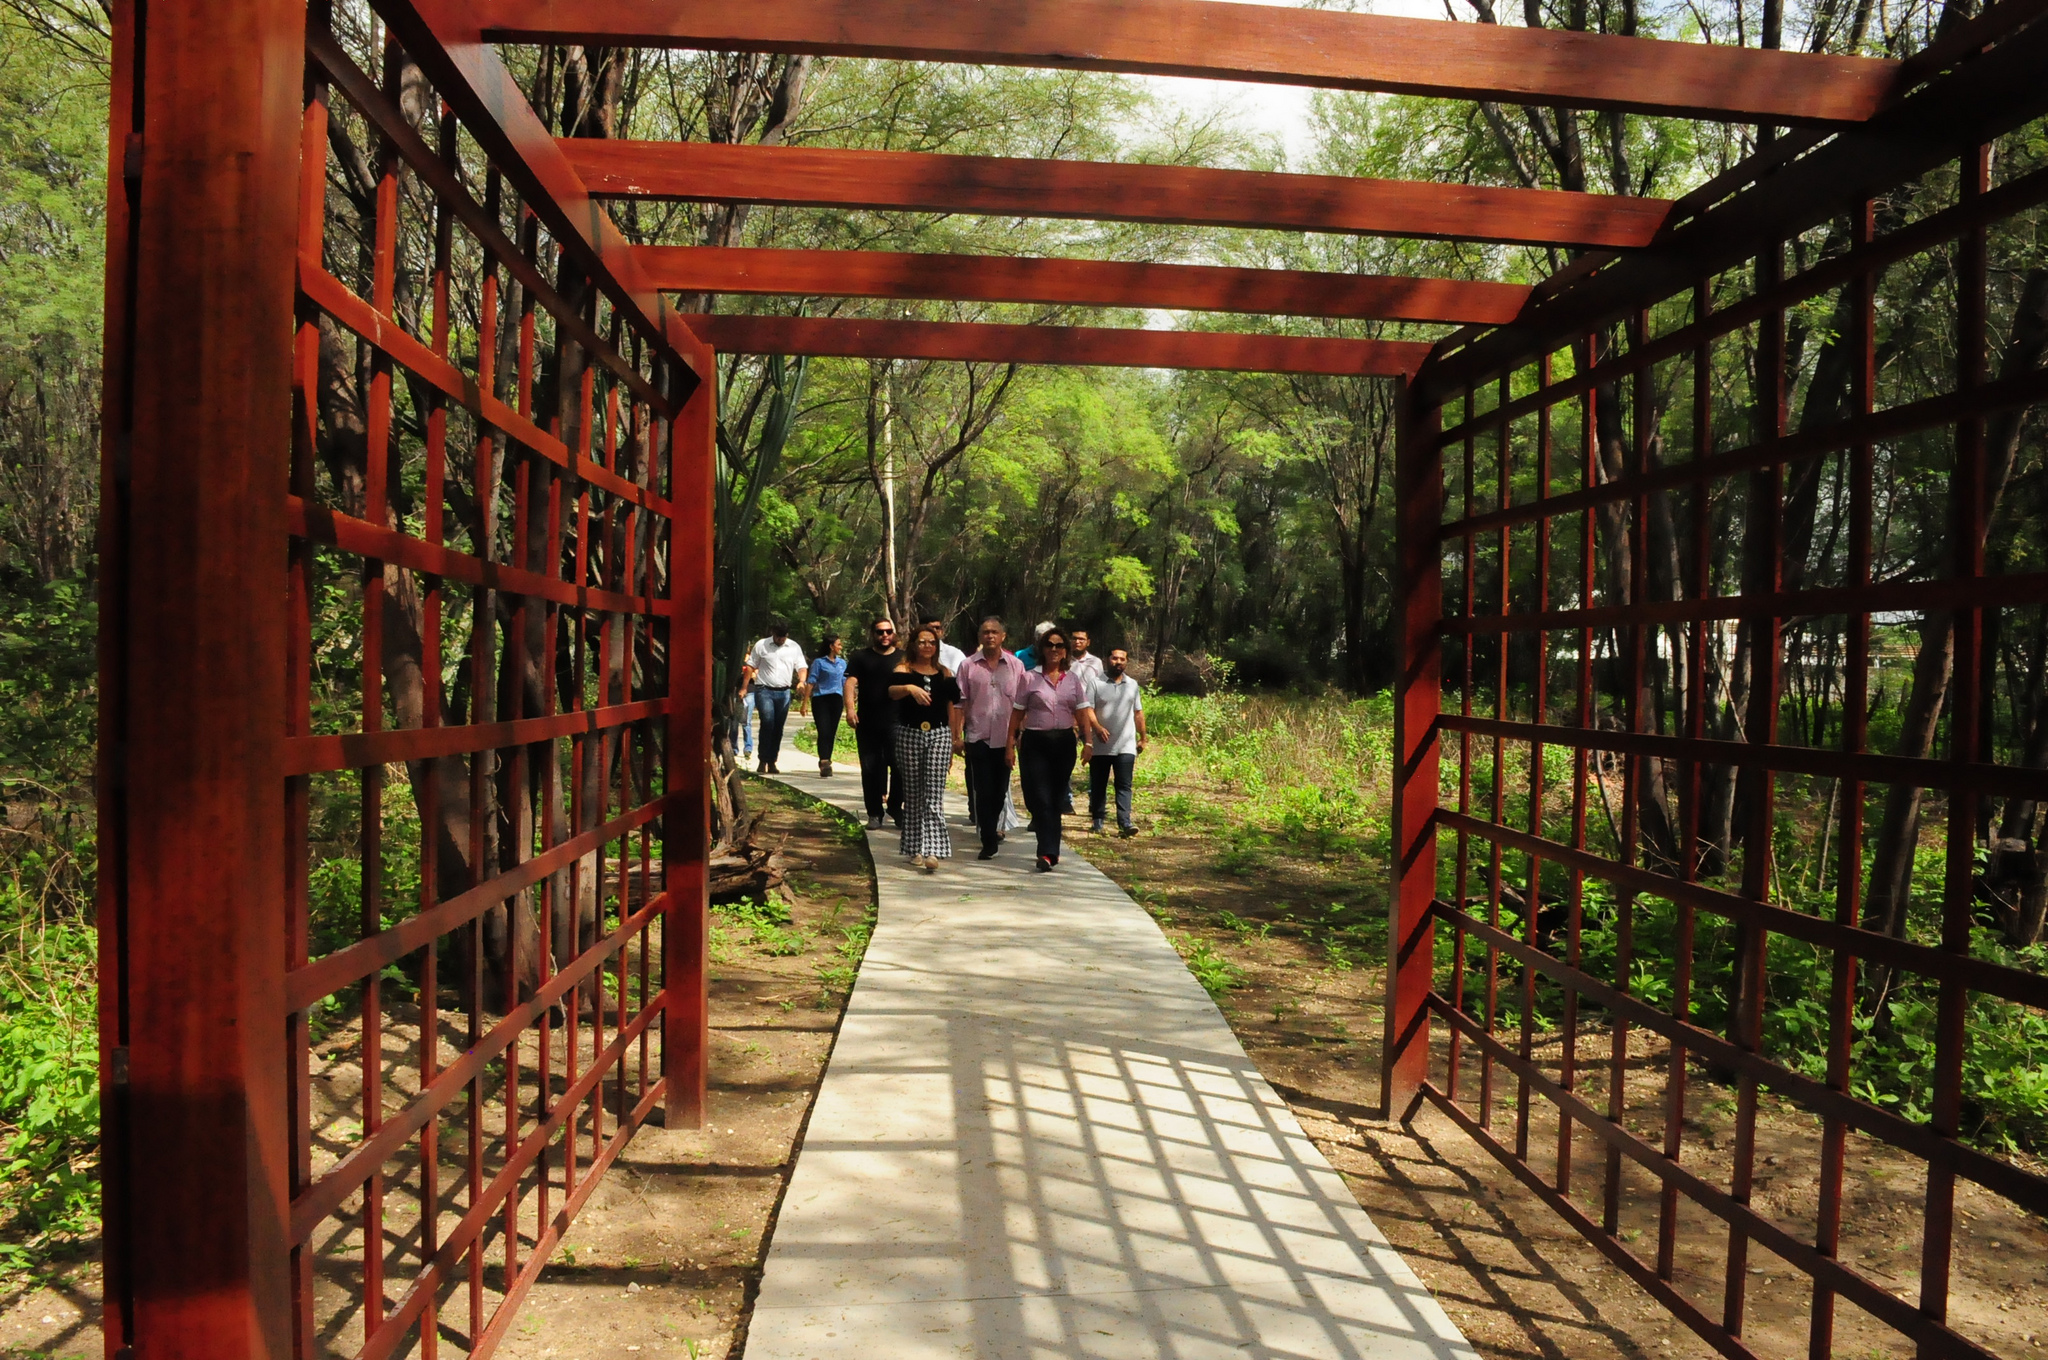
1037 1139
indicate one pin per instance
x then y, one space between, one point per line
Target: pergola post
1418 691
201 242
686 830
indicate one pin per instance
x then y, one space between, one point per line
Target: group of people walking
915 703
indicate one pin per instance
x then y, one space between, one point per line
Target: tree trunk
1891 863
1352 566
1657 833
2018 821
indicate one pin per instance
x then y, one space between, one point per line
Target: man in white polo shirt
951 657
778 667
1087 668
1120 713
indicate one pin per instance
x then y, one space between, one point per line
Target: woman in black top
928 718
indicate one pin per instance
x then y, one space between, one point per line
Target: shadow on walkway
1039 1138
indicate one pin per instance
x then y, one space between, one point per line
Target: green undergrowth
1280 784
763 927
49 1046
49 1055
835 940
1894 1052
1217 974
1266 775
1287 796
838 969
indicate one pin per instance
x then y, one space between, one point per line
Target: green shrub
838 973
1216 973
767 927
1320 819
48 690
1245 850
49 1055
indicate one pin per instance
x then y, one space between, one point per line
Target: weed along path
1037 1137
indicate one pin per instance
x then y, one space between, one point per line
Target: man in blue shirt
1029 656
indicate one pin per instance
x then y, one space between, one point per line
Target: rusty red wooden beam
1418 700
195 1079
1084 283
1093 346
686 830
1264 43
908 181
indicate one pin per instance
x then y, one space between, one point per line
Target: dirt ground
1514 1276
666 1256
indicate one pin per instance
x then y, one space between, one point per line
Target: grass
762 926
1217 974
49 1049
1266 863
1301 786
836 974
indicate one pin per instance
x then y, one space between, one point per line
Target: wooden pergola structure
515 462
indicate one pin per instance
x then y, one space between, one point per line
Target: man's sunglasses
880 631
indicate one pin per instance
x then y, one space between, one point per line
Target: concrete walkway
1038 1138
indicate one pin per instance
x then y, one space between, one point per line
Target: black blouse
945 692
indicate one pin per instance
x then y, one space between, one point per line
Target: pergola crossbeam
1090 346
1081 283
1263 43
910 181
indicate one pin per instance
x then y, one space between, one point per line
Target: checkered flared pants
923 758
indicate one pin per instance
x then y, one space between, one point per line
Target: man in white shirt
778 668
1083 662
950 657
1120 714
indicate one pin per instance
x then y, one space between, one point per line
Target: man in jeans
778 665
743 707
988 692
1120 713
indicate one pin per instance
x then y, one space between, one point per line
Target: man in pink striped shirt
990 680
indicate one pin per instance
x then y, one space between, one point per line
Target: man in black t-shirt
872 716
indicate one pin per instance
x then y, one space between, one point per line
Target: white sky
1278 110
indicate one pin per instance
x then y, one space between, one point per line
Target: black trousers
1100 768
880 785
825 711
1047 762
988 780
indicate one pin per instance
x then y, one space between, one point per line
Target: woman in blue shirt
825 697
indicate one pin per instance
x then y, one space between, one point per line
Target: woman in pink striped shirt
1051 703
